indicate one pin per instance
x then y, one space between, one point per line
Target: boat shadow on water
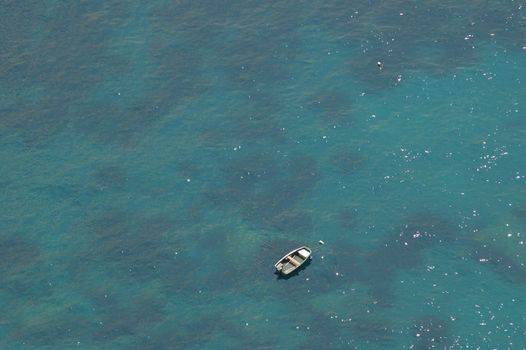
280 276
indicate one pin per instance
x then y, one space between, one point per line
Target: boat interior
292 261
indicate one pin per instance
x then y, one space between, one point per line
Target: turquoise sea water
158 158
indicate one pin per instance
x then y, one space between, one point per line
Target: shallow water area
157 160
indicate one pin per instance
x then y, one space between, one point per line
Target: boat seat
304 253
294 261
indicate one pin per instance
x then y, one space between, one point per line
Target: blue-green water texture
158 157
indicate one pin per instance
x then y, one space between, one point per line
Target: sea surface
158 157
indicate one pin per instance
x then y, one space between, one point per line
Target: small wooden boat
292 260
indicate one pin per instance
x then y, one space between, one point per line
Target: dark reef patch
347 217
110 175
254 122
406 36
520 213
37 121
426 229
117 123
64 331
189 334
181 274
59 88
128 315
504 265
18 255
332 106
20 268
244 175
189 168
263 50
292 220
130 246
211 245
267 205
51 70
365 69
197 331
347 162
372 331
323 332
260 126
266 190
402 250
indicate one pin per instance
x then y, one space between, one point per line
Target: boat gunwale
292 252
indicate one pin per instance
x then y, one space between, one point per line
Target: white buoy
321 242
